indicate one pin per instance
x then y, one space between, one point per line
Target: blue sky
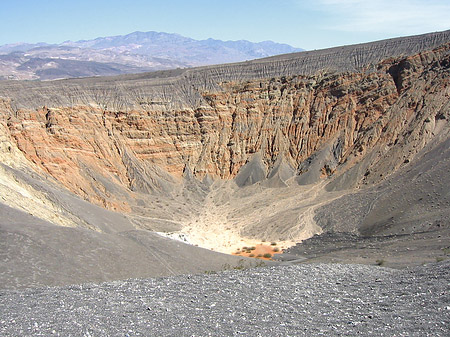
306 24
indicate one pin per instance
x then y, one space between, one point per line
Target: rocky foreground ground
297 300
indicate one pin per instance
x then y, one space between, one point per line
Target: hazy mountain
194 52
132 53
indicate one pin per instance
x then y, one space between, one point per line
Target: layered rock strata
311 124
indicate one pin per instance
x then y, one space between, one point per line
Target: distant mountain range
123 54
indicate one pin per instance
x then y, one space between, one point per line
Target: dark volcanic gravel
309 300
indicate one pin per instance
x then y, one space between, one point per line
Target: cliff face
341 116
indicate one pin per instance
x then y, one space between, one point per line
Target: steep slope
326 120
276 149
402 221
51 237
37 253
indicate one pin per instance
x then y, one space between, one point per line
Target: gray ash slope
402 221
36 253
302 300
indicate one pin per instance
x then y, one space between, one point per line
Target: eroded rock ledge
315 126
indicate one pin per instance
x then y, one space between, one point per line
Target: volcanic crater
337 155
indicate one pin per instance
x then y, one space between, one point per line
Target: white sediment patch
232 217
18 195
11 184
176 236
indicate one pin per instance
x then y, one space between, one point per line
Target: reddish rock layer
352 114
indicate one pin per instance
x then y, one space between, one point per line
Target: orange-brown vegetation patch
260 251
